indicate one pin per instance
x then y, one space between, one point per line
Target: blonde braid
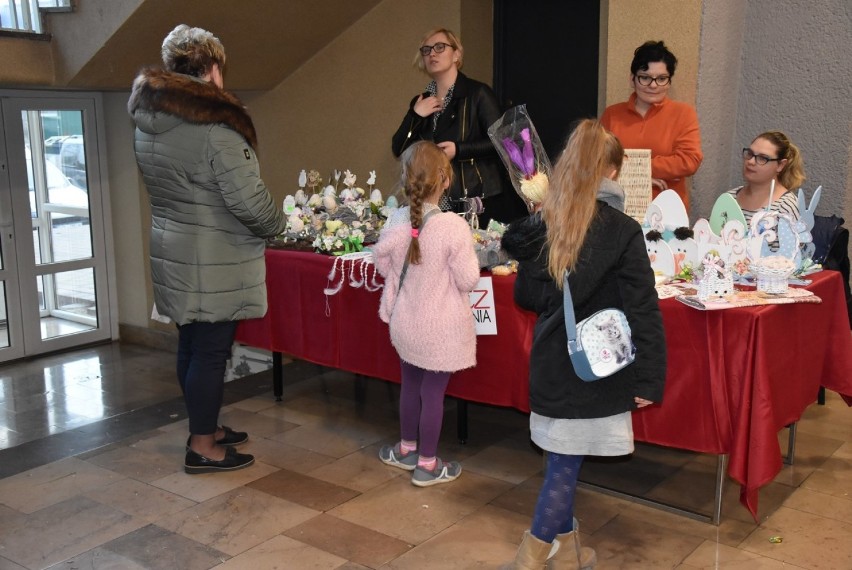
424 168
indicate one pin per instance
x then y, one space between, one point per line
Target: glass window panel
70 237
71 304
56 171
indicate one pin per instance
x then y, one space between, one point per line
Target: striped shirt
788 203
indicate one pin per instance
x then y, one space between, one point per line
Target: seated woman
771 158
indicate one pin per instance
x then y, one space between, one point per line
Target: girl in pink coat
428 310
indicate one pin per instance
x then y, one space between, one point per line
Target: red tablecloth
735 377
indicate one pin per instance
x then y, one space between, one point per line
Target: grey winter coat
210 210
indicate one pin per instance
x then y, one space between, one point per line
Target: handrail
25 15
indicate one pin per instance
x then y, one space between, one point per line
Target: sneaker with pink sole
442 473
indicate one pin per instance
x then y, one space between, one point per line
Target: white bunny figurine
805 223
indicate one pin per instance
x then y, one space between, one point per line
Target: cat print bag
599 345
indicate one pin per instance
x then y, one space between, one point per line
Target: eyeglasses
646 80
760 159
437 48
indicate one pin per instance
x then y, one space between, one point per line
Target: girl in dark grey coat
604 251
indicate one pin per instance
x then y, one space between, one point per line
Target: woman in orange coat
649 119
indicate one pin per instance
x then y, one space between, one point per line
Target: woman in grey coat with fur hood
210 212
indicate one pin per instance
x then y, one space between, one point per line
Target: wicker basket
772 280
713 286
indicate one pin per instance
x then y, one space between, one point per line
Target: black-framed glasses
437 48
760 159
646 80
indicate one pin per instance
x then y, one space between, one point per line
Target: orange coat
669 129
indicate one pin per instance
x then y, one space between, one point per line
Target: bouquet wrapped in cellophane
520 148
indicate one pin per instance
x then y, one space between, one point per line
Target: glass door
57 235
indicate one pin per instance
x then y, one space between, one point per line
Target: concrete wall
797 77
722 31
769 65
25 63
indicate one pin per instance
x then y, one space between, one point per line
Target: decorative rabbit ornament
805 224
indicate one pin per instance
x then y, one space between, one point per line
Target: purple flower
529 159
514 153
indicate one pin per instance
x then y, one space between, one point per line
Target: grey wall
722 25
770 64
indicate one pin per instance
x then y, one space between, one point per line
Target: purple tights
421 407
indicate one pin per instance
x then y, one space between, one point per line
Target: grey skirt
610 436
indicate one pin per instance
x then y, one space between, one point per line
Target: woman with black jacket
455 112
604 250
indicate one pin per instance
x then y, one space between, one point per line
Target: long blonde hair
570 204
425 168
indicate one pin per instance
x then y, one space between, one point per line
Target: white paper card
483 307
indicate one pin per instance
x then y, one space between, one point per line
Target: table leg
791 444
715 517
277 375
461 426
721 467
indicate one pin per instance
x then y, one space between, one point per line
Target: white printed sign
483 307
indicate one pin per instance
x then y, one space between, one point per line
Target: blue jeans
203 351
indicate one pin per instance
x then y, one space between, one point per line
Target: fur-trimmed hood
186 99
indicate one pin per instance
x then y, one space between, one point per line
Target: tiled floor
91 449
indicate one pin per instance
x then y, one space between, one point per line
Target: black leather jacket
473 108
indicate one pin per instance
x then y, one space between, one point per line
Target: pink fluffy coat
431 324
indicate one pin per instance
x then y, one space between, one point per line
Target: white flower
295 224
315 201
301 198
535 188
376 197
349 178
329 203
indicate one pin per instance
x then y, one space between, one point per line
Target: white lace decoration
362 273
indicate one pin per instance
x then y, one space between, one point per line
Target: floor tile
711 555
149 548
349 541
199 488
808 540
120 480
639 543
303 489
417 513
53 483
139 500
283 553
237 520
63 530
